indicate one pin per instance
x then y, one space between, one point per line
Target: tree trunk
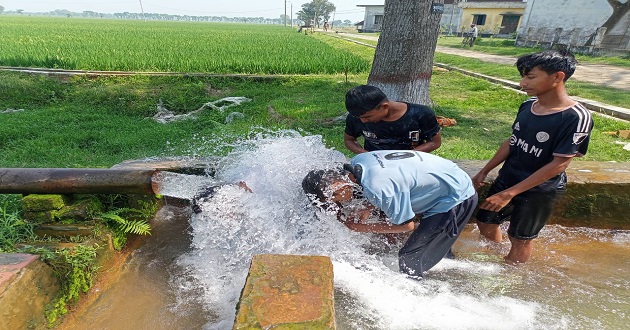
403 59
619 11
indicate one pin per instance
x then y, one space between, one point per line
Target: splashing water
370 292
182 186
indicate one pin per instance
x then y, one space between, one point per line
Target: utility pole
285 13
291 14
142 10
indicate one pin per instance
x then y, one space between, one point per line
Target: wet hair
363 98
317 182
550 61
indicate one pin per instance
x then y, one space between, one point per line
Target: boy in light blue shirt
403 184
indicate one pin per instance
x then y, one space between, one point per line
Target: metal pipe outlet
76 181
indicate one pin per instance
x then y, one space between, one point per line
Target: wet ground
576 273
140 293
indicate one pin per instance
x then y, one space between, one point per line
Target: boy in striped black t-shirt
550 129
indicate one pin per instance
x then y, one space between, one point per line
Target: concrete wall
450 18
579 21
369 17
566 14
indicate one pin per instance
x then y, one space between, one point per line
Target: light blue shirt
404 183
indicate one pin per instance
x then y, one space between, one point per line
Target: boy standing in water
388 125
550 129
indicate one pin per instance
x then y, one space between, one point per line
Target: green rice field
156 46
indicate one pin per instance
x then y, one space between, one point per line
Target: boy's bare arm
498 158
499 200
352 144
433 144
358 215
381 228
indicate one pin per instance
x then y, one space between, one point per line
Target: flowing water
190 273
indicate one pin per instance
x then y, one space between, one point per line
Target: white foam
278 218
181 186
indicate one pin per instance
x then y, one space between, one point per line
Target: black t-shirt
536 139
417 125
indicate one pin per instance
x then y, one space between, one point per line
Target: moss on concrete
36 203
40 216
595 206
81 210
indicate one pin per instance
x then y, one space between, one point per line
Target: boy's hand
243 185
496 202
361 215
478 179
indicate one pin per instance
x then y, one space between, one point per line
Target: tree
619 12
1 9
403 60
315 10
285 19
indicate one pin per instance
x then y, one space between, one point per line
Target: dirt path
608 75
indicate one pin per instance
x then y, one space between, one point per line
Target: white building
373 18
586 25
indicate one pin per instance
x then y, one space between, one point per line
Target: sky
346 9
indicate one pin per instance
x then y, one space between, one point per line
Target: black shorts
527 212
433 238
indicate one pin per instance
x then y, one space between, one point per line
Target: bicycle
467 39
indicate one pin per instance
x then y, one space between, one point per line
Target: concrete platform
287 292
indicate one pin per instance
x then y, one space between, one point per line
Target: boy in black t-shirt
549 130
388 125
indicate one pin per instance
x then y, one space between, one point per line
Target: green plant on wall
75 269
121 226
123 220
12 228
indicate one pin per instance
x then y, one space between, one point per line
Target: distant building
491 16
582 25
372 19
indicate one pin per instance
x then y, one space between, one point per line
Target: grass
98 122
102 121
125 45
607 95
506 47
12 228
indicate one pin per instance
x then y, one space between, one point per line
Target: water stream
190 273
